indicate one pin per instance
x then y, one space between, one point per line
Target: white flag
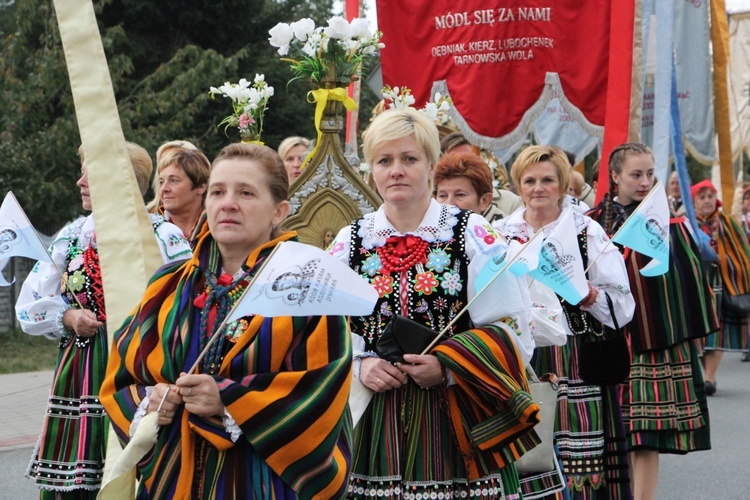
302 280
560 263
18 238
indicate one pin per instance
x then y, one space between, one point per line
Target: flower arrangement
249 103
436 110
331 54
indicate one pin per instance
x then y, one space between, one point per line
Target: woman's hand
201 395
81 321
168 409
425 370
380 375
590 299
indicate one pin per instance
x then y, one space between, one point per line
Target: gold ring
164 412
377 380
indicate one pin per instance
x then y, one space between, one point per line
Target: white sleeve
507 297
40 304
608 275
172 243
341 244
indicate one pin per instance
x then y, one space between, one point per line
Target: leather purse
737 305
403 336
542 457
605 358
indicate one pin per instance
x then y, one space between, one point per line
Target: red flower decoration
489 239
383 285
425 283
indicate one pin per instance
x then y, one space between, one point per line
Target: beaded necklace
218 297
401 253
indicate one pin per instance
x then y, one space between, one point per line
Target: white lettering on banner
446 50
516 48
452 20
534 14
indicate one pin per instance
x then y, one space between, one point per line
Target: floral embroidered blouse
507 299
608 273
40 304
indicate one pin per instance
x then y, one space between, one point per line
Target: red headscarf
704 184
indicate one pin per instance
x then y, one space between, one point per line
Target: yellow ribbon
321 98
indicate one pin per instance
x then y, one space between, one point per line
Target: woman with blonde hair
291 150
68 461
588 428
414 439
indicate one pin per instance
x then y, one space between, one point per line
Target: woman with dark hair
588 424
663 401
265 415
731 274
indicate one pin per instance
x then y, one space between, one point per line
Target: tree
163 57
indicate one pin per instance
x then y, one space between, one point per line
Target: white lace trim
552 89
516 226
437 225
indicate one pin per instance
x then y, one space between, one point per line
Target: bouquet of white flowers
249 103
326 55
436 110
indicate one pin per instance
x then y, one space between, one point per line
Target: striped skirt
664 404
405 447
68 461
589 431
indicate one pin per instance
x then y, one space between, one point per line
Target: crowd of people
266 412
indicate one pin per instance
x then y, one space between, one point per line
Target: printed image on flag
523 258
560 264
302 280
647 231
17 236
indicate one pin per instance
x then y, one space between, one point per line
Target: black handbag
403 336
737 305
605 358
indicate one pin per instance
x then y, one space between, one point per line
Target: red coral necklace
402 252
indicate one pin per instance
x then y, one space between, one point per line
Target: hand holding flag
560 262
647 231
18 238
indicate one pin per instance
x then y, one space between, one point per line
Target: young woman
663 401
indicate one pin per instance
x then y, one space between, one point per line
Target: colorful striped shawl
285 382
675 306
734 255
492 412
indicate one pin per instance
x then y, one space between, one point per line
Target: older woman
291 150
265 416
587 416
415 438
69 459
182 175
664 407
163 156
731 274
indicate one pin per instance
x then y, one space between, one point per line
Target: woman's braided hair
616 160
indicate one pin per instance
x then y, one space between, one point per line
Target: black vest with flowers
433 293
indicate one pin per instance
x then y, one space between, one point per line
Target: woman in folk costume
265 415
731 274
180 186
68 461
663 401
450 423
588 430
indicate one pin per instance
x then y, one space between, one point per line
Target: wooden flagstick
224 321
611 240
466 307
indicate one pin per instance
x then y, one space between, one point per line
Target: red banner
500 60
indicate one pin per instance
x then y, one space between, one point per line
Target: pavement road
720 473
